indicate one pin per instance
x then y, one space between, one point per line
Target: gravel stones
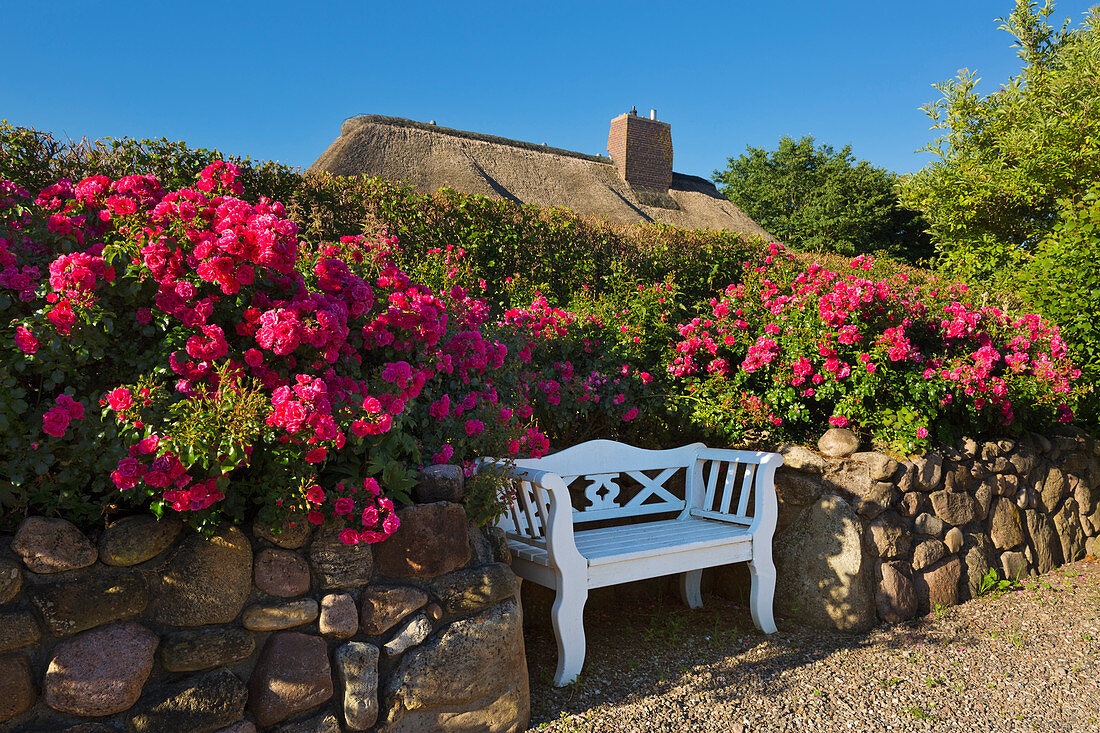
18 628
339 566
954 507
439 483
199 704
52 545
17 693
838 443
383 606
895 600
206 581
100 672
474 589
133 540
198 649
470 676
11 579
277 616
281 573
89 598
357 671
431 541
822 578
291 676
339 618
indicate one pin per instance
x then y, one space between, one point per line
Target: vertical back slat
525 499
712 483
542 507
746 489
728 487
517 516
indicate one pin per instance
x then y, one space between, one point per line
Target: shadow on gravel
641 640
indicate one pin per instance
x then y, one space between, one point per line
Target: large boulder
823 572
470 676
205 581
838 443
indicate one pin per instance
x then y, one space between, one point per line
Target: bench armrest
553 516
765 505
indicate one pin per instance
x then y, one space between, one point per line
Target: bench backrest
595 468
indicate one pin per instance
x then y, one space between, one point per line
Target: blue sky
274 80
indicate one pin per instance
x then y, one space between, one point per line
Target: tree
1006 160
816 198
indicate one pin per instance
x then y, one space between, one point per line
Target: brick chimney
641 149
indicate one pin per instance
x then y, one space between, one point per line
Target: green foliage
1062 280
1004 160
819 199
992 584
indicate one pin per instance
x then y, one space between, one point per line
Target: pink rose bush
790 349
235 364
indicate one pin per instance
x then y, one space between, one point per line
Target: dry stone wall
864 536
151 627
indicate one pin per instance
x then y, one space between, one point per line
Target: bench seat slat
619 544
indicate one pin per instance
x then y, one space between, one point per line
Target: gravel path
1025 660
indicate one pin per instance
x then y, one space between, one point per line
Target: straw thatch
430 157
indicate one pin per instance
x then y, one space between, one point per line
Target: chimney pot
652 114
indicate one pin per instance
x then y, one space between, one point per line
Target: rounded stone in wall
194 650
291 534
838 443
11 579
938 585
205 702
431 541
291 676
206 580
339 566
133 540
281 573
100 672
52 545
17 693
88 598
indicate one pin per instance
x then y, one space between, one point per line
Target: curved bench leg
689 588
567 616
762 590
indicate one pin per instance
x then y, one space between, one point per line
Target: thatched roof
429 157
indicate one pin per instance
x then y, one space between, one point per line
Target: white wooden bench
727 515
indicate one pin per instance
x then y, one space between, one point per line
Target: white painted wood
689 588
548 550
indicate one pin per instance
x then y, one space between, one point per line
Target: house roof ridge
351 123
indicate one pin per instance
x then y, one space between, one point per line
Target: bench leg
689 588
762 590
567 616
